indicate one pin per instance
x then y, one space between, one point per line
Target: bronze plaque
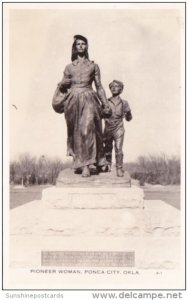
88 258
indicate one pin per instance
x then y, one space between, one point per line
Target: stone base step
103 197
156 219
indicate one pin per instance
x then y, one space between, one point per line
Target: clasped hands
107 112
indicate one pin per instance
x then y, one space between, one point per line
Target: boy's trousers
116 136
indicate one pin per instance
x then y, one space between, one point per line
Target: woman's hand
65 82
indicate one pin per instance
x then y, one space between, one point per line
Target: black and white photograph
94 146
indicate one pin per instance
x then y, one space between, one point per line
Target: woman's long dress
83 113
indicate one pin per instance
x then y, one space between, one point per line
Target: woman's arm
100 91
65 83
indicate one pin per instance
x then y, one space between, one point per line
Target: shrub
155 169
29 170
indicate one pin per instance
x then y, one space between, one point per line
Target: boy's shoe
120 172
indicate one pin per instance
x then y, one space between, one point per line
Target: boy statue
114 128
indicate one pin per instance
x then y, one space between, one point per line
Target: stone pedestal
104 228
67 178
107 203
96 197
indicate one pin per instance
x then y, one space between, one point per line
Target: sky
137 45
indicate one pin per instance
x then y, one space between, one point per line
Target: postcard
94 146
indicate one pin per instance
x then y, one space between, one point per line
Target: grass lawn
168 194
20 196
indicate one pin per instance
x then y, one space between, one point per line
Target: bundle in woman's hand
59 98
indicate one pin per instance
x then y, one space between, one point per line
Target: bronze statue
83 109
114 129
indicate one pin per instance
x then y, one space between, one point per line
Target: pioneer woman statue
83 108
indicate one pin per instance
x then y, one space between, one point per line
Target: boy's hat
117 82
